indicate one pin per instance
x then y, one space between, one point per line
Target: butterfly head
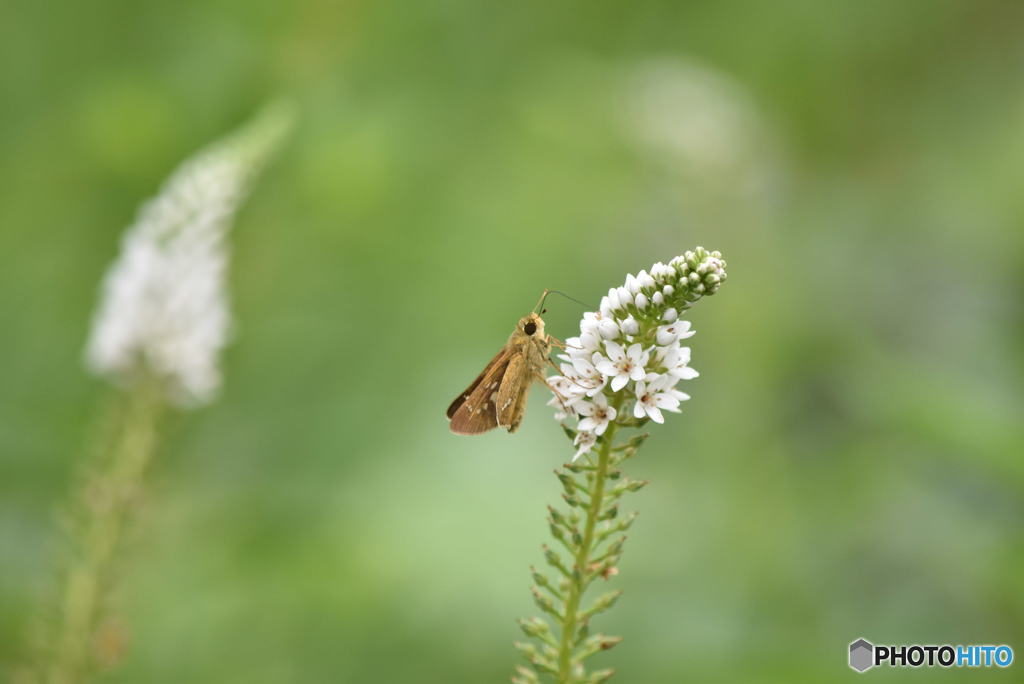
532 325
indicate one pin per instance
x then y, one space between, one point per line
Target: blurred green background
850 464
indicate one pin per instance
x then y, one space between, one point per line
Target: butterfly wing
500 357
474 410
511 399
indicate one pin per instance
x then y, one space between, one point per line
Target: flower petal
615 351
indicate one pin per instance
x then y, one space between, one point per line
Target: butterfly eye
530 328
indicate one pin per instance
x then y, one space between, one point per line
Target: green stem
582 560
106 501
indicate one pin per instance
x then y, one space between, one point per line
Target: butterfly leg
554 341
562 399
559 371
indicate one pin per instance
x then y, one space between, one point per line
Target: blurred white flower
689 110
164 301
696 121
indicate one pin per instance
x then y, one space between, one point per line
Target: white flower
562 410
561 413
670 314
672 332
616 295
620 365
645 280
584 345
589 380
584 442
567 392
657 395
598 413
611 301
676 361
625 298
571 385
660 271
630 326
642 301
632 284
607 329
164 301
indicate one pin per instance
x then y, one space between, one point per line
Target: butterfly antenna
558 292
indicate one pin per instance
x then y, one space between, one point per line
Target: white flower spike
620 372
625 364
164 303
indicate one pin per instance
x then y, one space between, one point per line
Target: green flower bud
544 603
599 676
572 501
556 516
555 561
603 603
542 581
627 522
534 627
525 675
583 633
528 650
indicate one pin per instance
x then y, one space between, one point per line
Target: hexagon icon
862 655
